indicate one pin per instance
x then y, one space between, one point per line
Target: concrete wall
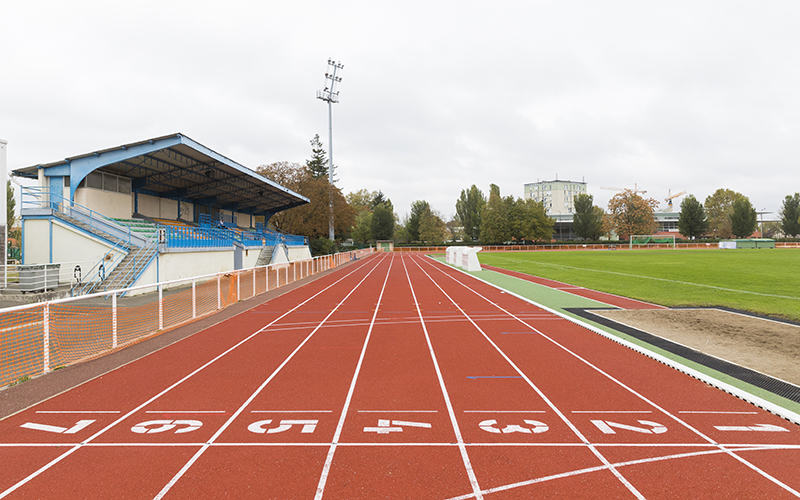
107 203
159 208
69 244
299 253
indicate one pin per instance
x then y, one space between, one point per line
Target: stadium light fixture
330 95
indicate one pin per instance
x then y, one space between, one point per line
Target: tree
527 220
362 231
588 219
630 214
361 199
468 212
311 219
11 205
382 224
432 229
495 227
790 215
743 218
412 225
692 221
318 164
719 207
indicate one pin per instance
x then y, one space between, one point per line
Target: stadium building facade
155 210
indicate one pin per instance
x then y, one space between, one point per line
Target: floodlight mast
330 95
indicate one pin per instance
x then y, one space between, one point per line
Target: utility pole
330 95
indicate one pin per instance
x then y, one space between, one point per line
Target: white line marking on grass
538 391
473 480
337 434
233 417
607 375
616 273
176 384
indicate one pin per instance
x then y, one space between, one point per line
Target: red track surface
344 388
608 298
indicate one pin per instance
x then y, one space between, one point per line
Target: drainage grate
771 384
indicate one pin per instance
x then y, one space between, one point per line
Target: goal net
652 241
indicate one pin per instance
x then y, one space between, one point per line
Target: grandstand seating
140 226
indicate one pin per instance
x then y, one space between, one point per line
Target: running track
397 377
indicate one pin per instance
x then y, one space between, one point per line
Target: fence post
254 282
114 320
46 328
266 277
238 287
219 292
194 298
160 307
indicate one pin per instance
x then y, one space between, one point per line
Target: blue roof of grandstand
176 167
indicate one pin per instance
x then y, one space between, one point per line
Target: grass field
761 281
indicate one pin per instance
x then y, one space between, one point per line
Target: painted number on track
80 425
387 426
260 426
534 427
608 427
156 426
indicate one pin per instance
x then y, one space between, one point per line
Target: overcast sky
435 95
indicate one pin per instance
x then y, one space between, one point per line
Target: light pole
330 95
761 213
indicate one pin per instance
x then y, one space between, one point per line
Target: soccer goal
652 241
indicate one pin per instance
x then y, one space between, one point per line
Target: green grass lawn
762 281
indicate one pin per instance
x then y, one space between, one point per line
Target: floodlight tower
330 95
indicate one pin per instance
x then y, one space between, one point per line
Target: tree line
368 216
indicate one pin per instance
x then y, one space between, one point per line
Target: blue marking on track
473 377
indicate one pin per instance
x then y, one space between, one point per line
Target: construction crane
636 189
670 197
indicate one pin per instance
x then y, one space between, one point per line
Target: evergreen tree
418 208
382 224
790 215
588 219
692 221
318 164
743 218
11 205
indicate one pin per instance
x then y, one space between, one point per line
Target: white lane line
76 411
473 479
397 411
190 412
291 411
538 391
323 478
596 469
723 412
504 411
607 375
233 417
176 384
611 411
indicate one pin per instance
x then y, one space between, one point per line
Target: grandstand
150 211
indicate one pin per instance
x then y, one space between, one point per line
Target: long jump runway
397 377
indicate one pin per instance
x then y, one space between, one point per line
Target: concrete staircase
265 256
129 268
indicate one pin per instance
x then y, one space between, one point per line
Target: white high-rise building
558 195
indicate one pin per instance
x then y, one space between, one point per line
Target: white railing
37 338
40 277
